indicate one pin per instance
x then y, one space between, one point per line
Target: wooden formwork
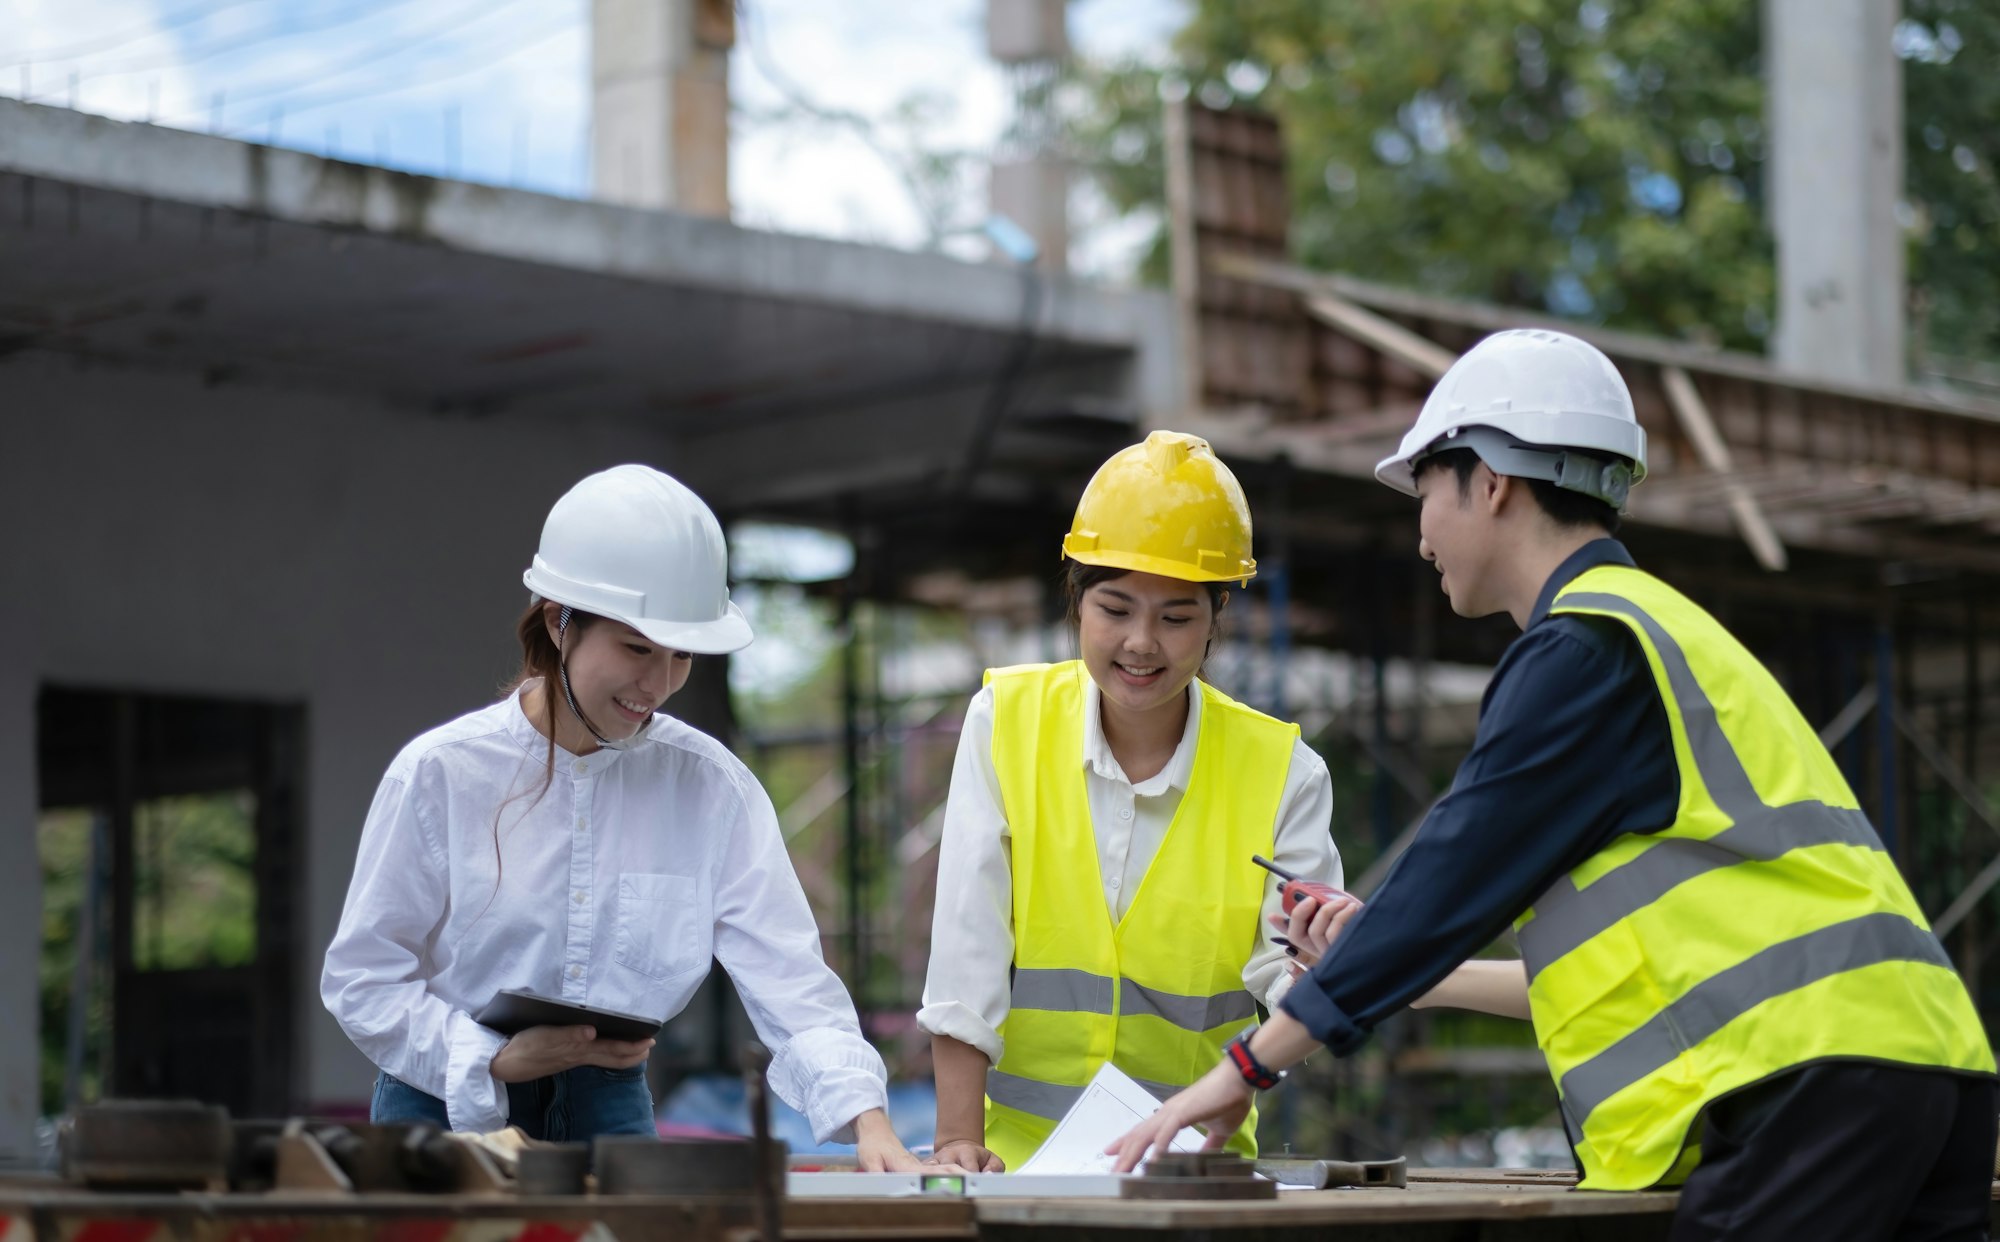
1244 344
1329 371
1846 533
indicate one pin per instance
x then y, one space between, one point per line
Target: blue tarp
715 1102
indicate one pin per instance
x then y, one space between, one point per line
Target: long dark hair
540 658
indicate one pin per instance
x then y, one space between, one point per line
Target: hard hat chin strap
562 674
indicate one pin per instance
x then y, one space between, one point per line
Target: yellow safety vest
1161 990
1766 928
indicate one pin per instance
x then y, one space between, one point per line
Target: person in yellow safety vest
1732 985
1096 901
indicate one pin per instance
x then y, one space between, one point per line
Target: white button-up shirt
966 994
668 853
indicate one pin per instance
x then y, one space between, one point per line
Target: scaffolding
1845 534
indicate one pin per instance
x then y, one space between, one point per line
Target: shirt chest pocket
660 925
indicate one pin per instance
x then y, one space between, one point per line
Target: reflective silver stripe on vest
1048 1100
1190 1013
1716 1001
1064 991
1566 916
1079 991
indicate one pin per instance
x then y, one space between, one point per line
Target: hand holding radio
1314 913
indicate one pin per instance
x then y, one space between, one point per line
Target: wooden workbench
1438 1206
1454 1205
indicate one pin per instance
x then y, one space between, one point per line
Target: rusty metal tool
149 1144
1327 1174
639 1164
553 1169
1197 1175
387 1157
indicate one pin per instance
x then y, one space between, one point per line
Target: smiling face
1456 533
619 677
1142 638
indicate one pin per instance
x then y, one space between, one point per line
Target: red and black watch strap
1254 1072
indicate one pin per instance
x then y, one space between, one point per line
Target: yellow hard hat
1168 507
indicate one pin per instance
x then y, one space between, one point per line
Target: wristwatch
1261 1077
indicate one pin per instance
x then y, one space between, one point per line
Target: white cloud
1126 29
126 30
502 95
861 58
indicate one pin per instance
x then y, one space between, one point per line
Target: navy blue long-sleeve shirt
1573 748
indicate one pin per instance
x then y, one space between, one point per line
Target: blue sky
498 90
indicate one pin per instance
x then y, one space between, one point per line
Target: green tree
1601 160
194 906
1951 81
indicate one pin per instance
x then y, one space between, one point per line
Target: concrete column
1019 31
21 912
1029 178
1835 173
659 126
1034 193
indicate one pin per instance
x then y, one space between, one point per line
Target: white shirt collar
524 731
1098 758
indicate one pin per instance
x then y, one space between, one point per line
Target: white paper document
1109 1106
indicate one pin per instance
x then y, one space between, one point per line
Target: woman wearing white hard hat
1097 902
569 842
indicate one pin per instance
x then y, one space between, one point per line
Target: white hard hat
1520 399
634 545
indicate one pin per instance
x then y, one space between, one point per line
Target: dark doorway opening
168 840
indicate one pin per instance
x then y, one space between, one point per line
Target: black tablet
512 1012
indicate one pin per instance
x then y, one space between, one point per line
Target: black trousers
1846 1149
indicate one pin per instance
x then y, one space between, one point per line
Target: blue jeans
576 1104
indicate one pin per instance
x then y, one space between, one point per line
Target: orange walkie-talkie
1295 888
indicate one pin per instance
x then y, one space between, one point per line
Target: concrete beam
61 145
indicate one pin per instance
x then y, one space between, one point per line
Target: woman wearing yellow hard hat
1096 900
